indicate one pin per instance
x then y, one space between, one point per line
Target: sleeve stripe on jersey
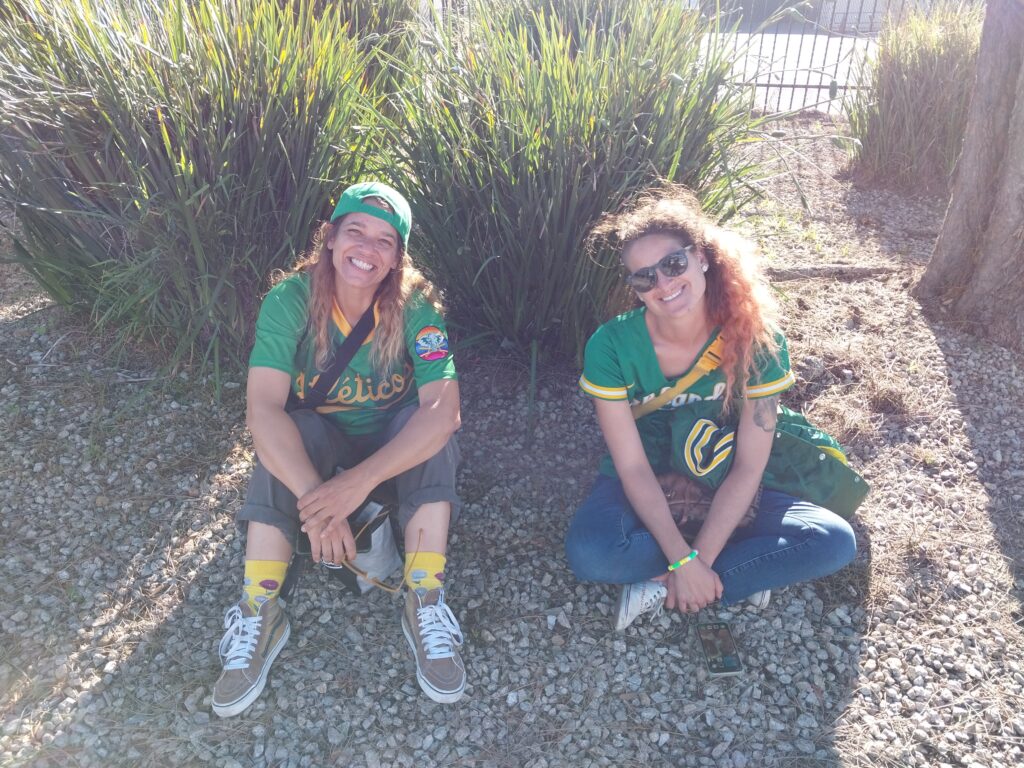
769 388
604 393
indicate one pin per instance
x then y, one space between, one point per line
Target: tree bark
976 274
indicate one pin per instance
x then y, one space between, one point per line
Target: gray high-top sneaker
248 648
435 638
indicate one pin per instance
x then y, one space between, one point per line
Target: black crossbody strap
343 355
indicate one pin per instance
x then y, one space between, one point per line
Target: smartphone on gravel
719 648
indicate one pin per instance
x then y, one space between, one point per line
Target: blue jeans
789 541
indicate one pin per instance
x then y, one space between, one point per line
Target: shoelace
652 597
240 639
439 630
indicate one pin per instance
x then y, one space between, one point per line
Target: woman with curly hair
390 415
703 331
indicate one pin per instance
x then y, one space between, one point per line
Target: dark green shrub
520 135
163 157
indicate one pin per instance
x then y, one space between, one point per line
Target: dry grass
880 380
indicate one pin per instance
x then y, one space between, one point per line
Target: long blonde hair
738 298
392 296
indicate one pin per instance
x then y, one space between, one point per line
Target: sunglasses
671 265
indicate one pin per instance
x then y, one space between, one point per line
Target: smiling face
364 249
672 297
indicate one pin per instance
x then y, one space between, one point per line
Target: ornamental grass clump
163 157
388 30
525 129
909 119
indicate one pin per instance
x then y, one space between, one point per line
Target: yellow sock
263 580
424 570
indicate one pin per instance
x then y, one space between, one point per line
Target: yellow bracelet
683 560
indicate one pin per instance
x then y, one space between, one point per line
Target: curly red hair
738 298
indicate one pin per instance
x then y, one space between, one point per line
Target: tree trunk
976 274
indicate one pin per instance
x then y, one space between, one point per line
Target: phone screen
719 648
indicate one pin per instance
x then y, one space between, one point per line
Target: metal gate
804 55
798 54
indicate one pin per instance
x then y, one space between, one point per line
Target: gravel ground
120 556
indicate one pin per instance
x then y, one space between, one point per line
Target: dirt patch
19 294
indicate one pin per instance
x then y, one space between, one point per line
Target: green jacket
805 462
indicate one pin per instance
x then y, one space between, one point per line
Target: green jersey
619 364
361 401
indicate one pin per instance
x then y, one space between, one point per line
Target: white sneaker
760 599
638 599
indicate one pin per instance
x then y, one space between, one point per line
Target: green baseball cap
351 201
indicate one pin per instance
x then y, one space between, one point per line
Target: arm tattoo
766 412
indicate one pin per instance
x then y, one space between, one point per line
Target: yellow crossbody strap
710 360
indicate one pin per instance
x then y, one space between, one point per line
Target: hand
324 510
334 546
692 587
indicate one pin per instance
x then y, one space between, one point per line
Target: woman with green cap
390 415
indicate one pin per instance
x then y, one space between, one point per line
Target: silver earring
704 268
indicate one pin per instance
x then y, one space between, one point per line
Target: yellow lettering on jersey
717 393
355 389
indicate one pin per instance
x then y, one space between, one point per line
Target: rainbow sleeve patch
431 343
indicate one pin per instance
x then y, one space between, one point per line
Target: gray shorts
269 501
